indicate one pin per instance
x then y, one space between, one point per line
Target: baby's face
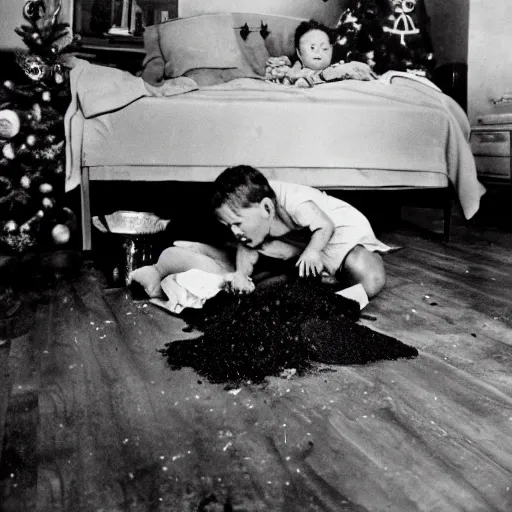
250 225
315 50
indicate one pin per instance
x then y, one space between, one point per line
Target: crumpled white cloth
357 293
190 289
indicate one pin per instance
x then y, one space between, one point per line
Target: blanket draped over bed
349 124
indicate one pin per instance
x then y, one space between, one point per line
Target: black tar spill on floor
277 327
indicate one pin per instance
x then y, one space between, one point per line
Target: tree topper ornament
404 24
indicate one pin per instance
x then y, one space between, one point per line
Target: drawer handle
491 137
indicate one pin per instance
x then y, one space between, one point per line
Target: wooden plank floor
95 420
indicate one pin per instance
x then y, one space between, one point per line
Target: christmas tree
32 140
386 35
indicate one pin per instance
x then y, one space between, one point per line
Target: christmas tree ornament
34 67
10 226
36 112
61 234
9 124
47 203
31 140
25 182
45 188
403 24
36 38
34 10
8 151
46 96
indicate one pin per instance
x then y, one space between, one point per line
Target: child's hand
238 283
310 263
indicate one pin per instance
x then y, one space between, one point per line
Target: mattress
348 134
272 129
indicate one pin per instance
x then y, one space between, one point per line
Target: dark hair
307 26
241 185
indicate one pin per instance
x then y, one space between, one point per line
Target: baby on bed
320 234
314 44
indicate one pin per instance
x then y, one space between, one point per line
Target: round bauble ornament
61 234
31 140
47 203
46 96
36 38
45 188
8 151
9 124
25 182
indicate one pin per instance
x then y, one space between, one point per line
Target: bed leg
86 210
447 213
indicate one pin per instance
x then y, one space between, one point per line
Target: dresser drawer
490 143
493 167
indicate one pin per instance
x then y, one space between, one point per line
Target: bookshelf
111 25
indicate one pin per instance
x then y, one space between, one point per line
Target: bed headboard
326 11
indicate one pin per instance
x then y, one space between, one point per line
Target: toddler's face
250 225
315 50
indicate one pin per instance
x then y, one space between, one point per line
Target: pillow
153 64
222 49
206 42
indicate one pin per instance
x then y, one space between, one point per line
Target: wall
489 58
11 17
449 19
326 11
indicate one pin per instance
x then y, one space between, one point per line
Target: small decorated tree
387 35
32 141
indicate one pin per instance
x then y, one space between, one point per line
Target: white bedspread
401 126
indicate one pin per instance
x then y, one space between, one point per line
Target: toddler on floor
320 234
